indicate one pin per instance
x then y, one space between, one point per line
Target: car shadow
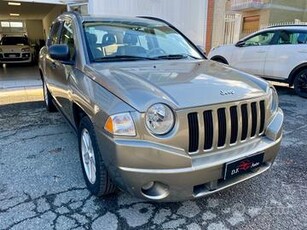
284 89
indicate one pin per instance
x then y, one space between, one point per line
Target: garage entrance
30 18
25 22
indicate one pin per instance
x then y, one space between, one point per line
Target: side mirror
240 44
60 52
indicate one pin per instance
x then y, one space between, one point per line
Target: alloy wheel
88 157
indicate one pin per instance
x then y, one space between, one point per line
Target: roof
290 26
146 20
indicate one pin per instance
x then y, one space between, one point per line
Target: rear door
289 51
250 57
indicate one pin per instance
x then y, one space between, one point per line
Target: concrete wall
188 17
35 29
287 11
48 19
300 4
278 16
218 23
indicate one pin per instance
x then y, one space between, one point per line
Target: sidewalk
17 84
20 84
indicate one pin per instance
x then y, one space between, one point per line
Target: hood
13 48
180 84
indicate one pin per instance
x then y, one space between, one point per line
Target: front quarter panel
97 102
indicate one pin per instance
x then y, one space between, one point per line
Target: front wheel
96 176
220 60
300 83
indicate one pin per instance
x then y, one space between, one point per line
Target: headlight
273 100
159 119
25 50
120 124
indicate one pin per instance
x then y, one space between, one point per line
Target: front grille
208 129
226 125
193 132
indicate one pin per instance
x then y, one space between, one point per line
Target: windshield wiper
175 56
123 57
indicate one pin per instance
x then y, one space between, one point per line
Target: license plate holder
242 166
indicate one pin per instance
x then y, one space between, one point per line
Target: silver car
153 116
15 49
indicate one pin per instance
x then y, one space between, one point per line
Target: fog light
155 190
148 185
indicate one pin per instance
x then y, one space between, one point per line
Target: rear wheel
300 83
48 99
96 177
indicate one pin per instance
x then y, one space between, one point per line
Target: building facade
257 14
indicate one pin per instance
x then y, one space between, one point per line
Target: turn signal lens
120 124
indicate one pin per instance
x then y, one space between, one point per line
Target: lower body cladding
163 173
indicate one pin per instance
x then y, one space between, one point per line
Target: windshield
14 41
124 40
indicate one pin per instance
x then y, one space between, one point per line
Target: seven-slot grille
226 125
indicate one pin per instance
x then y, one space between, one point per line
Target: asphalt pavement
42 187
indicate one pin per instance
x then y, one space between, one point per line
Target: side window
292 37
262 39
67 37
54 33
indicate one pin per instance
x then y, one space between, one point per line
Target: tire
48 99
97 179
300 83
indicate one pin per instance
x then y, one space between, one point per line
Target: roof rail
156 19
290 25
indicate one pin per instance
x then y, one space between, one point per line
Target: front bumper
158 172
5 58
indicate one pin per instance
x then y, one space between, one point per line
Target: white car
15 49
276 53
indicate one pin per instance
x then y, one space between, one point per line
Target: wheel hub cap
88 157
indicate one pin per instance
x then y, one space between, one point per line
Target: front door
62 72
251 55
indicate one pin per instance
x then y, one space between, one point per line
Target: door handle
260 51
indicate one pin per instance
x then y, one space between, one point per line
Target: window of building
6 24
251 24
16 24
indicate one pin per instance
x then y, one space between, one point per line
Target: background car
276 53
16 49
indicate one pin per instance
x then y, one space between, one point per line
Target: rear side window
54 34
292 37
